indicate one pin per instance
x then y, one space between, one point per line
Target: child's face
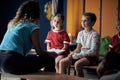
86 22
118 27
57 23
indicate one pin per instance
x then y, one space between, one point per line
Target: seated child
58 40
111 62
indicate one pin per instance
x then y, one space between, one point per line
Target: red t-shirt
57 40
115 43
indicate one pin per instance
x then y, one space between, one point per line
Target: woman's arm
48 46
36 42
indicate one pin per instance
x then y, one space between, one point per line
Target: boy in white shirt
86 52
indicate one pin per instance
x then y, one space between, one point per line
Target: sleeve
115 43
66 38
79 37
32 27
111 45
95 43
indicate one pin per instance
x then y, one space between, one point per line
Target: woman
21 36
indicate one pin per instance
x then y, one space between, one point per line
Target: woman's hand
53 54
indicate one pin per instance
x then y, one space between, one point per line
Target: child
112 58
58 38
86 52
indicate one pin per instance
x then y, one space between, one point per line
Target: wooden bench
90 67
93 67
85 67
43 76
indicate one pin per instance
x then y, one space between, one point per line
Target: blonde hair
28 11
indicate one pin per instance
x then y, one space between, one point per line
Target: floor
90 74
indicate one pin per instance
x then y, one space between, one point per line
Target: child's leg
100 69
79 66
63 65
58 58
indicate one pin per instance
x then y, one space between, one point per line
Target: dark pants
111 63
112 60
15 63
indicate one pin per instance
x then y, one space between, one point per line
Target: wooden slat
43 76
90 67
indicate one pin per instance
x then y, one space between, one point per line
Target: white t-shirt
90 42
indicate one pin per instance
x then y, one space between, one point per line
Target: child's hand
70 55
53 54
76 56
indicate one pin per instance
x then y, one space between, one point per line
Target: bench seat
43 76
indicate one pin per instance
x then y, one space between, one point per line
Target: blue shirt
18 38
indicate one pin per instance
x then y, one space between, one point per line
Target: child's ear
92 23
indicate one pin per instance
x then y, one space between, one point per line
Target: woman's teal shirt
18 38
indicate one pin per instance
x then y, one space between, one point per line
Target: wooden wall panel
74 13
109 17
69 22
94 6
105 10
